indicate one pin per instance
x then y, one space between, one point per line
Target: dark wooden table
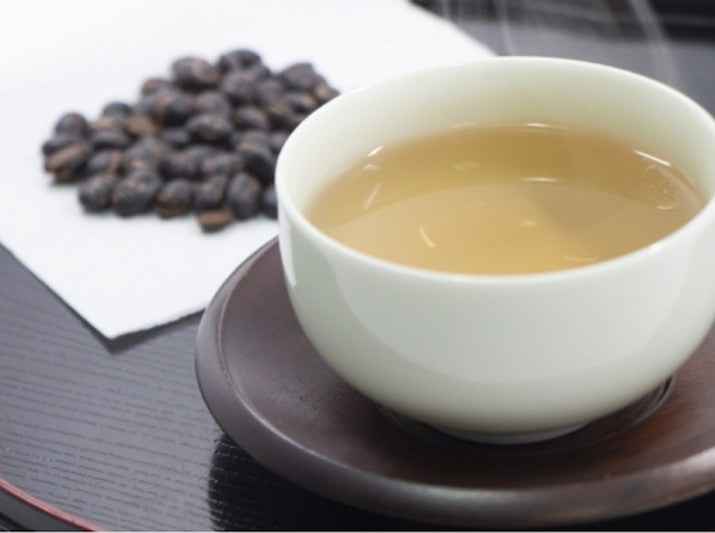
115 434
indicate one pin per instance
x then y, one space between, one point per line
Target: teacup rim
286 205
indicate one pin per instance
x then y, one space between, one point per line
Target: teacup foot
511 438
575 435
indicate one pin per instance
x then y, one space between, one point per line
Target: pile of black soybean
204 141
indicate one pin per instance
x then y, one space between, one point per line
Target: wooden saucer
271 392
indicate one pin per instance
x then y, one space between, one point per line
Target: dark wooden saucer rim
270 391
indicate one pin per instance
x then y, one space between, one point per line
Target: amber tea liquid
505 200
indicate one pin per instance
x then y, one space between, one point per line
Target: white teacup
512 358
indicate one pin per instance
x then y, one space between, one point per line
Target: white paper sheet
124 275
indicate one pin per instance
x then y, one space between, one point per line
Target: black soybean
195 156
72 124
238 59
57 142
105 161
152 145
258 71
185 163
175 198
194 73
211 192
251 117
209 128
107 123
152 85
226 163
119 109
135 193
214 219
68 163
324 92
213 102
300 76
140 125
269 202
300 101
280 113
277 140
141 156
95 193
244 195
238 86
171 107
291 122
260 160
109 139
252 137
268 90
176 137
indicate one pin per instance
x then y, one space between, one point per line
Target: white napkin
124 275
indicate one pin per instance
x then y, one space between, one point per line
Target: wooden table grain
115 434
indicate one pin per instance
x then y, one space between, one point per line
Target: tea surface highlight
509 199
